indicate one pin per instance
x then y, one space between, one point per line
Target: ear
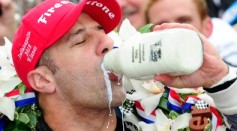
207 27
42 80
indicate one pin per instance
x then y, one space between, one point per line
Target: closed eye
81 42
99 27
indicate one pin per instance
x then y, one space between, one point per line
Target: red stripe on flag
16 92
139 106
217 114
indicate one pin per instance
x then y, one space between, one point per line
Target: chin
117 102
118 97
118 92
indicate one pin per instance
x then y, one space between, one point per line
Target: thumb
164 78
172 81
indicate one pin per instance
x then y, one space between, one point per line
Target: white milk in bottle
175 51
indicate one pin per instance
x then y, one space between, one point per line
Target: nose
105 44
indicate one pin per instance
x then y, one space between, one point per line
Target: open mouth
114 77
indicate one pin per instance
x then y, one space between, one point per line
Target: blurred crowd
218 18
11 12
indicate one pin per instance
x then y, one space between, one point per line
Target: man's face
78 56
179 11
134 10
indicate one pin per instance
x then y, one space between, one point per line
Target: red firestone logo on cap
50 11
103 8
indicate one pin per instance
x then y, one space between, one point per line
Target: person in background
8 24
134 10
195 12
23 6
11 12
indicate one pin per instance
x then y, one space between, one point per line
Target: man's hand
212 70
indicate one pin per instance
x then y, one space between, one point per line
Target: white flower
182 121
6 65
162 123
198 90
117 40
148 93
126 31
8 80
146 127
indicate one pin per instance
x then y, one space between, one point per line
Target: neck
72 118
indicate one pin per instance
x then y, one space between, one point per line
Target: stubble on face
80 79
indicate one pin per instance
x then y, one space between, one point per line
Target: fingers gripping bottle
175 51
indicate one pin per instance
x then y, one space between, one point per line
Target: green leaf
33 107
16 126
16 115
22 88
163 105
183 96
23 118
116 30
184 129
147 28
33 119
127 104
173 115
208 127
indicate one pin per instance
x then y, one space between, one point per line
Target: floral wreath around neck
18 109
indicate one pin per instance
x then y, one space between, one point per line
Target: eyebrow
79 30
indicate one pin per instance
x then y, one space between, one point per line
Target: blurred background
11 12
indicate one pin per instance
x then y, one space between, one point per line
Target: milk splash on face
109 92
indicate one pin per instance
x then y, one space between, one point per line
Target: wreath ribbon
175 103
27 98
22 100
